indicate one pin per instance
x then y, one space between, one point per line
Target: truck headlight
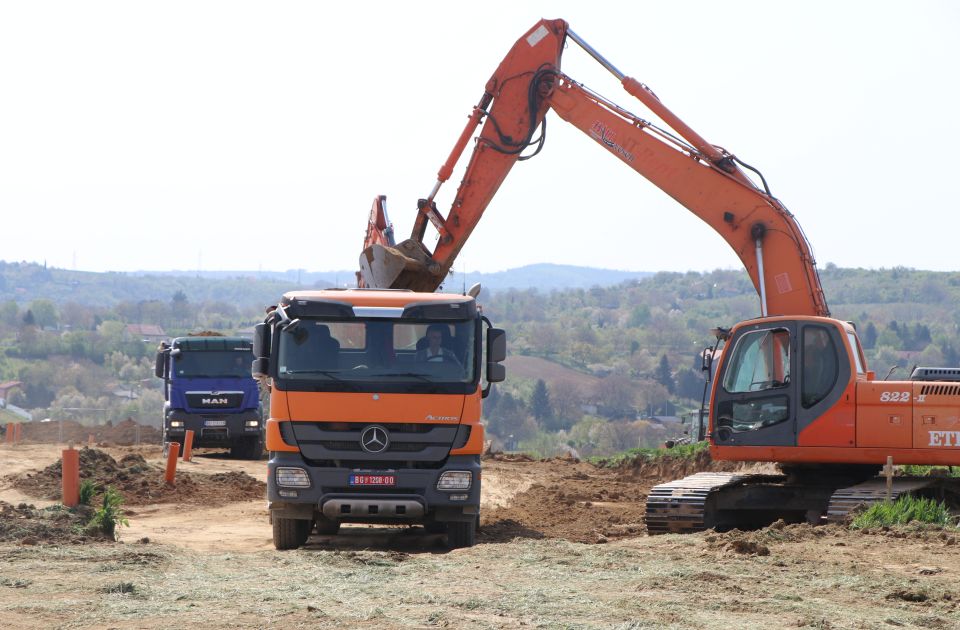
253 424
455 480
176 424
292 477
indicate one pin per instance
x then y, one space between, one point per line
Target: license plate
215 423
373 480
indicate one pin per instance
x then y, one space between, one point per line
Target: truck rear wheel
290 533
461 533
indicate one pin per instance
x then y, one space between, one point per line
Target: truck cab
209 389
375 400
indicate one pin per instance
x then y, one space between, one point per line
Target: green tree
44 313
869 338
664 375
540 402
9 313
689 384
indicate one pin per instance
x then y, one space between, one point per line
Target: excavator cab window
819 365
760 361
758 375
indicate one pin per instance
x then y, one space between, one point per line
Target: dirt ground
561 546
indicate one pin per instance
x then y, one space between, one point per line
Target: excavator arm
703 178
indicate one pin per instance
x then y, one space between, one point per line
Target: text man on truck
208 388
375 410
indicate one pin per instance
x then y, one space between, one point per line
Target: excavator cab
777 377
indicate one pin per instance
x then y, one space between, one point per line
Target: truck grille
219 400
407 441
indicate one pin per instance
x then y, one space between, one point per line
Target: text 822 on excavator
790 387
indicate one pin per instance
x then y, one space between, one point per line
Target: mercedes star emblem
374 439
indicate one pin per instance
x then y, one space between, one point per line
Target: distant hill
545 277
533 368
25 282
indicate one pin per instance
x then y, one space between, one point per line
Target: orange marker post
172 453
187 445
18 433
71 477
11 427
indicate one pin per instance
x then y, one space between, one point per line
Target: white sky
238 135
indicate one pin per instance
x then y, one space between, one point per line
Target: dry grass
826 578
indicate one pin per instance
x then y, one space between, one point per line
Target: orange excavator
790 387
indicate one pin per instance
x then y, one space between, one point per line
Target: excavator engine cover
406 266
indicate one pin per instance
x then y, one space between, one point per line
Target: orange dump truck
375 410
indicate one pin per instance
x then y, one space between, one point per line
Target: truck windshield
378 351
212 364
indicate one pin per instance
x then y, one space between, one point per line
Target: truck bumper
213 430
413 497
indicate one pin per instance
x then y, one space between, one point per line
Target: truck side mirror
496 345
496 352
159 368
160 364
261 341
261 350
261 367
496 373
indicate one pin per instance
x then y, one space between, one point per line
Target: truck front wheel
249 448
461 534
290 533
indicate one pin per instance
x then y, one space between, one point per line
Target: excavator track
679 507
845 500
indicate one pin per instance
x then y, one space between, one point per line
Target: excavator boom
700 176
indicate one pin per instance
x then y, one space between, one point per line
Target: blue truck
209 389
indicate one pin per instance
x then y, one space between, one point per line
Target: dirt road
538 564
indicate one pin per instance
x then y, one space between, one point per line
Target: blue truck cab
209 389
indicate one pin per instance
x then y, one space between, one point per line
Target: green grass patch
913 470
87 489
908 509
110 515
683 451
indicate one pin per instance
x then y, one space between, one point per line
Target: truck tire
461 534
290 533
435 527
249 448
326 527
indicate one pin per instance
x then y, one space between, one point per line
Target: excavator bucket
406 266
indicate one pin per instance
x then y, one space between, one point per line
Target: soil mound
667 467
64 431
142 483
27 525
582 502
125 432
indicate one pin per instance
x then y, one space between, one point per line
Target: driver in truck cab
434 351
